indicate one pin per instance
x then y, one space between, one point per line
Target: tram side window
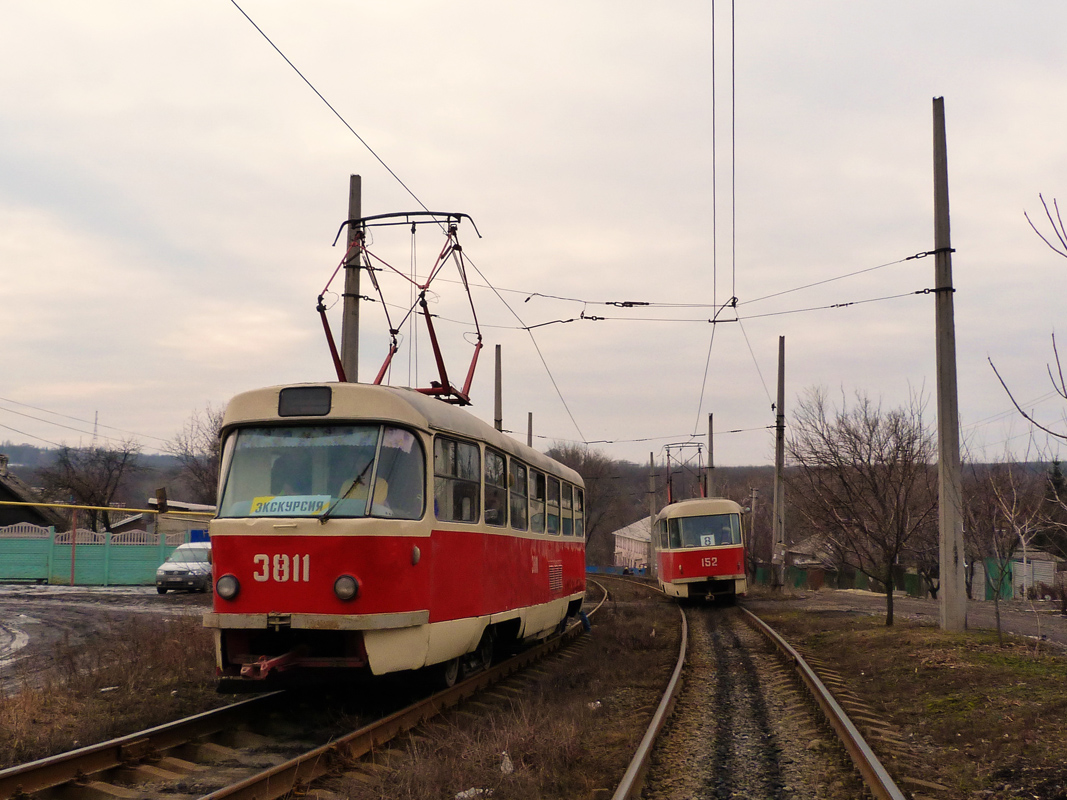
518 495
661 531
496 489
568 509
579 512
674 533
537 501
552 516
457 480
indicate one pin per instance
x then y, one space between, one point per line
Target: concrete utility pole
653 562
498 415
953 580
350 318
529 429
710 489
778 513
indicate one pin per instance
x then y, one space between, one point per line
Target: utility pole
710 489
653 562
778 514
350 317
529 429
953 590
498 414
750 541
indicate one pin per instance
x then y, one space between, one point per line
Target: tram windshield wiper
325 515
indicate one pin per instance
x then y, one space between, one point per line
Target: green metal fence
29 553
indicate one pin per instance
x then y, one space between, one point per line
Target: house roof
640 530
13 488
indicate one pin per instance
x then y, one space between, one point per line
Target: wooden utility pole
710 488
953 590
778 513
350 318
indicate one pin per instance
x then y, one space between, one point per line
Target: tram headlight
346 587
227 587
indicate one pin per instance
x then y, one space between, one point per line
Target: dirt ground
1038 620
34 620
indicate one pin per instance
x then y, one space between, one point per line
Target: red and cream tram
700 549
378 529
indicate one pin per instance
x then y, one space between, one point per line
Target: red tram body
700 549
467 540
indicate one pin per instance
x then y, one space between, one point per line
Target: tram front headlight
346 587
227 587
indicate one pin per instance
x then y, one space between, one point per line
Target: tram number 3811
709 561
282 568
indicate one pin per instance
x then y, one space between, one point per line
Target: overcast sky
170 189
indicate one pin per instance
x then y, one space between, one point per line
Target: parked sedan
188 567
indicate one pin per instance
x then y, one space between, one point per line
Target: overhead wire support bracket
406 218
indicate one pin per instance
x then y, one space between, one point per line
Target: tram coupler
259 670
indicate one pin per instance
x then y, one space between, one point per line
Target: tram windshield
309 471
707 531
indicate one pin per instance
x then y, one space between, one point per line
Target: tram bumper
254 648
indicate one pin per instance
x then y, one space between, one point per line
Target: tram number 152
709 561
282 568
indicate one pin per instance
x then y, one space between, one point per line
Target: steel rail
302 770
870 768
96 760
633 780
81 764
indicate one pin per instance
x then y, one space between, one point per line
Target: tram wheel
446 673
482 657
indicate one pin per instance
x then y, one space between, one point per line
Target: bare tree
91 476
197 451
1059 384
609 495
1006 511
863 481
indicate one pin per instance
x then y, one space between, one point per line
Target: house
185 528
633 544
15 490
811 553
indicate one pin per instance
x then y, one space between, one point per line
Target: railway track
758 727
251 749
745 724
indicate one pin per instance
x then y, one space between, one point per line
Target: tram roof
353 401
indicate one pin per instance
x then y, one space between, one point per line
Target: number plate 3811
282 568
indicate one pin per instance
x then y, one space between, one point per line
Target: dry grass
140 673
986 721
571 734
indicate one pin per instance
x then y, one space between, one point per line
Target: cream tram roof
388 404
698 507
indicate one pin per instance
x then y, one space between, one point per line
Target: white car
188 567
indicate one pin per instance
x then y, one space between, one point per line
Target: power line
329 106
67 416
31 435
